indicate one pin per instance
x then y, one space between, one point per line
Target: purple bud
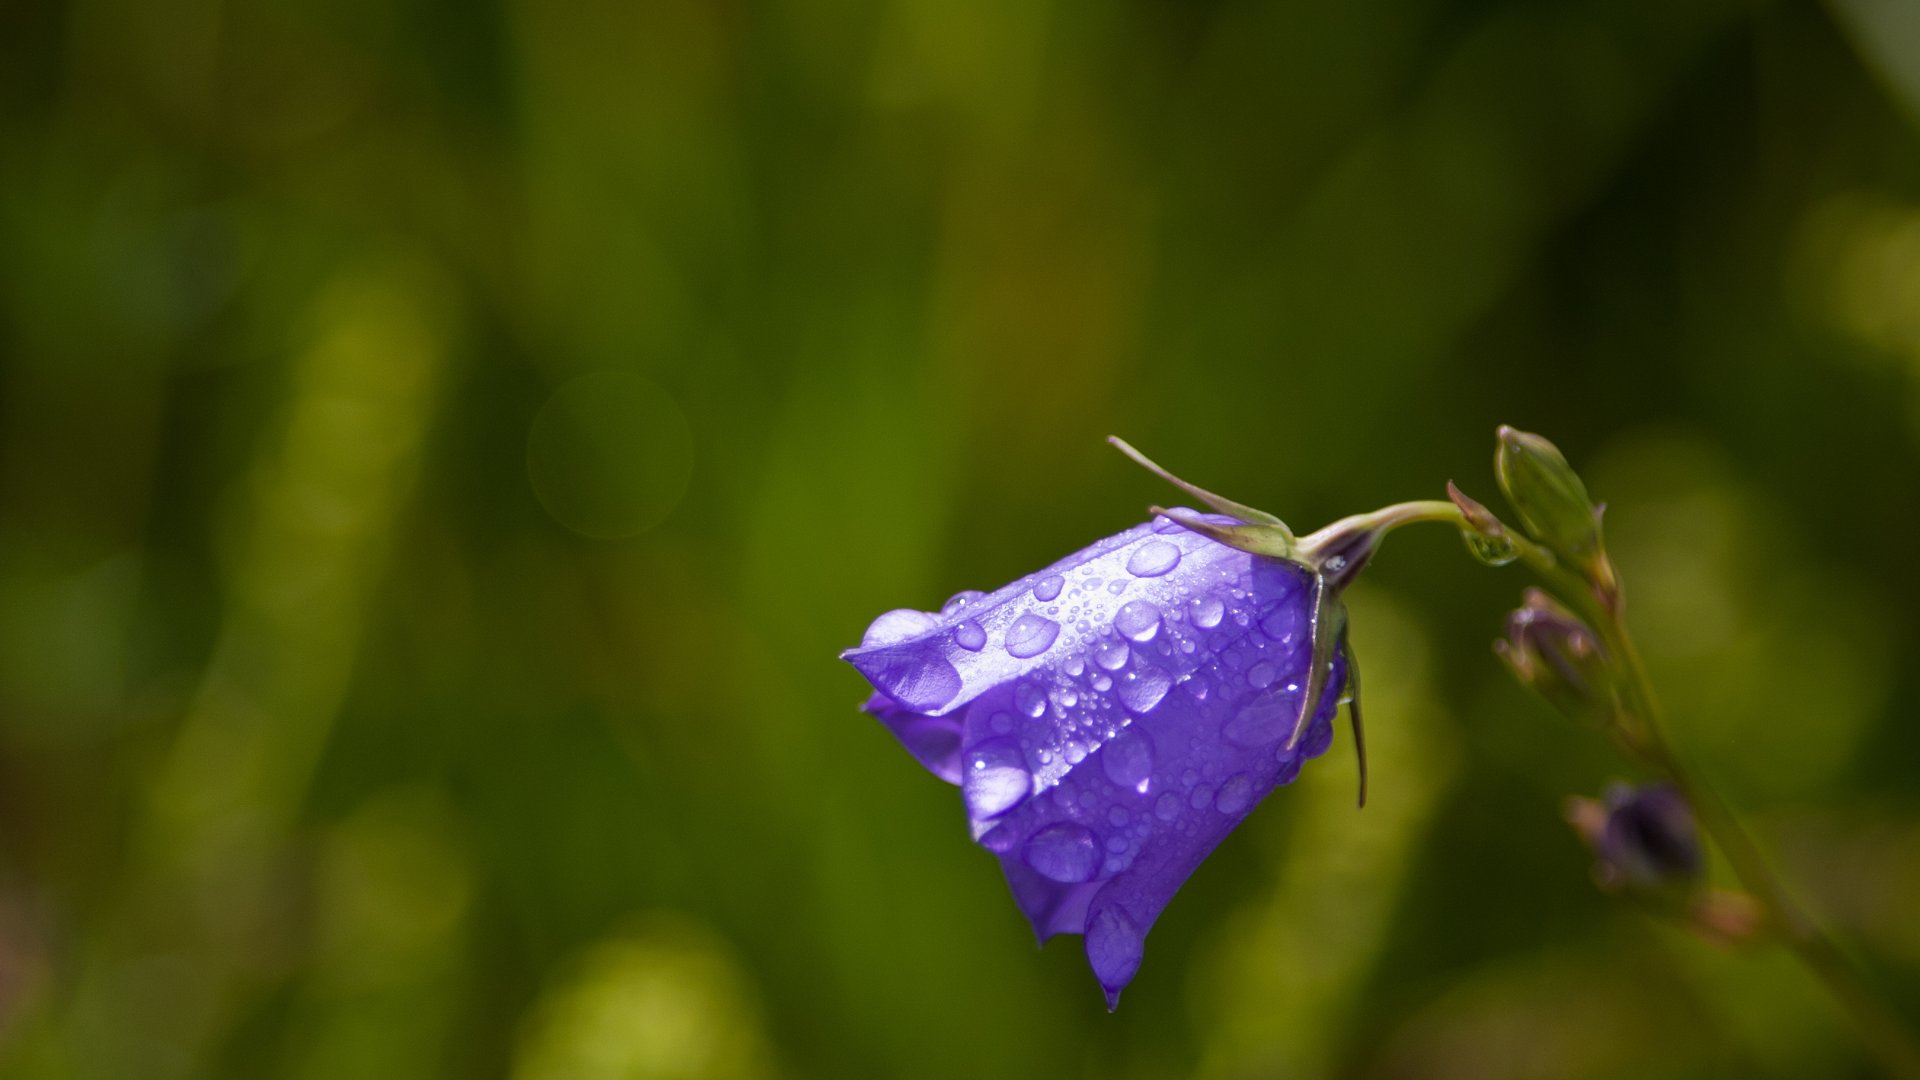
1645 838
1110 719
1550 650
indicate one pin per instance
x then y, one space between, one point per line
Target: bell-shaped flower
1110 719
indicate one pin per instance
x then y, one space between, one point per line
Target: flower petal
1127 708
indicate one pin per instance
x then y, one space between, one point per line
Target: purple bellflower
1111 718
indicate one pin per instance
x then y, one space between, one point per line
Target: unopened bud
1556 655
1548 495
1644 838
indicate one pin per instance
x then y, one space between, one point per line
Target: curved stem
1642 729
1884 1030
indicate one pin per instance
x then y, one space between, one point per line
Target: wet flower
1111 718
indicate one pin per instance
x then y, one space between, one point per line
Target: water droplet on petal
1167 806
1001 838
1048 587
1114 950
1030 635
960 599
1001 723
1285 624
1206 611
1118 816
1262 720
899 625
1141 689
1138 619
1153 558
994 778
1261 675
1101 682
1111 655
1235 795
1127 759
1065 852
1030 699
969 636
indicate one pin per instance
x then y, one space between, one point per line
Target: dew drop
1153 558
1118 817
1001 723
1138 619
1048 587
1201 796
1114 949
1101 682
960 599
1235 795
1285 624
1141 689
1001 838
1167 806
900 624
1127 759
1030 699
1075 752
1262 721
1206 611
1261 675
1066 698
1065 852
1030 635
969 636
994 778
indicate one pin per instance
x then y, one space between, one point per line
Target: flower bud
1548 495
1555 654
1645 838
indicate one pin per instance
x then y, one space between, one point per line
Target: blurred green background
444 446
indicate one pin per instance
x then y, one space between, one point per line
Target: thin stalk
1883 1029
1644 732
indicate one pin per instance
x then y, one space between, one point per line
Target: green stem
1884 1030
1644 731
1645 734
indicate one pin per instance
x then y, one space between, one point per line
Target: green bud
1548 495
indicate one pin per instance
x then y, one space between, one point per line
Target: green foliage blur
443 448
